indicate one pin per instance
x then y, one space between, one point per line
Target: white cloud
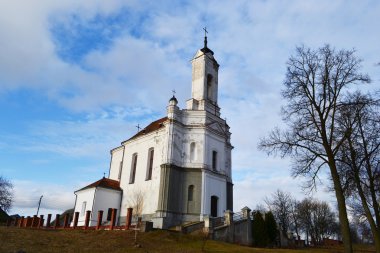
56 198
89 138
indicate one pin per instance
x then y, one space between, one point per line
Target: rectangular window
190 193
214 160
109 214
120 170
133 169
150 164
83 211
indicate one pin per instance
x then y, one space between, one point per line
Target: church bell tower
204 88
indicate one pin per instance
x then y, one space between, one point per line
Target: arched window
190 193
209 87
192 152
149 168
133 169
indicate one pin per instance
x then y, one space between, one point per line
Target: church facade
175 170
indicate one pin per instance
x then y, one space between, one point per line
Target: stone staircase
188 227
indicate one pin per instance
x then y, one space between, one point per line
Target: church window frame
193 151
214 206
190 193
133 168
209 91
214 162
149 169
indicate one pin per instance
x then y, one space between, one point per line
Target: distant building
178 168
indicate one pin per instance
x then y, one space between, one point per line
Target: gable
154 126
217 127
104 183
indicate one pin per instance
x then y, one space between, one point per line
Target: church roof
155 125
104 183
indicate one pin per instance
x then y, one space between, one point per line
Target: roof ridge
153 126
104 183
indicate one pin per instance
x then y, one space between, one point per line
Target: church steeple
204 91
205 49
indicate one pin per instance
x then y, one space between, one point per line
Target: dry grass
33 240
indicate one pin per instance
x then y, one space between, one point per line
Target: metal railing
238 216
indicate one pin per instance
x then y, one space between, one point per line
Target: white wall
104 199
148 188
216 186
116 158
207 139
84 195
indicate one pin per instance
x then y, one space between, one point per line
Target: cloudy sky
76 77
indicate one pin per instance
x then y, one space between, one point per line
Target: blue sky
76 77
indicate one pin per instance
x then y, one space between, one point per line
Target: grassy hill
32 240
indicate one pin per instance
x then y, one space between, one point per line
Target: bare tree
323 221
136 201
314 86
359 162
6 194
295 217
280 204
317 220
304 212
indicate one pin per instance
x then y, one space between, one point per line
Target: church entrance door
214 206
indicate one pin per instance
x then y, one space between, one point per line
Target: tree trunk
371 221
344 225
363 198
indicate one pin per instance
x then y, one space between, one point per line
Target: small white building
95 197
175 170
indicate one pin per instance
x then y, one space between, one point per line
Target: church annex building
175 170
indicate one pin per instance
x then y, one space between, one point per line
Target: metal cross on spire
206 32
173 92
205 29
138 127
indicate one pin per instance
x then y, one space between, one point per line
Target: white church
175 170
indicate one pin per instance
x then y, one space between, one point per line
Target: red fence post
28 221
34 221
41 221
65 220
113 218
21 221
87 220
56 223
100 218
76 217
48 220
128 218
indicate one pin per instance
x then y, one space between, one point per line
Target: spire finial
205 41
104 174
173 92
